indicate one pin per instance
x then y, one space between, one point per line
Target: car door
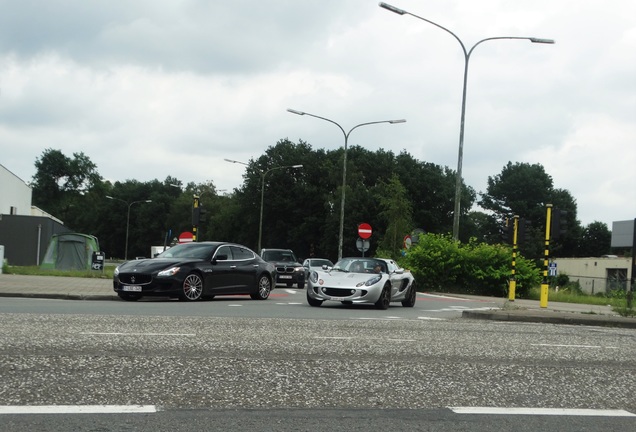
396 277
219 280
243 269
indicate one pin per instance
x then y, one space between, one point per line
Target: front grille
284 269
337 292
134 278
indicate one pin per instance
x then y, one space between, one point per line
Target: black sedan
192 271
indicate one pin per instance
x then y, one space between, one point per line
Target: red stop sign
364 230
185 237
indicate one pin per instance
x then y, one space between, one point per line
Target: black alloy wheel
312 301
192 287
409 301
385 298
263 288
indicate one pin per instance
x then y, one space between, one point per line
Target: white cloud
149 89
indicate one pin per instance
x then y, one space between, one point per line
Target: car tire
263 288
129 296
192 287
385 298
301 284
313 302
409 301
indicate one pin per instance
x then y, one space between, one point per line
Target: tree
59 180
396 211
523 189
595 241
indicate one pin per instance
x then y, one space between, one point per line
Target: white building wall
591 273
15 194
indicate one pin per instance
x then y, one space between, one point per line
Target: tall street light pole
458 179
344 165
127 219
263 174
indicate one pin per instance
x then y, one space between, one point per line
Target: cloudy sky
149 88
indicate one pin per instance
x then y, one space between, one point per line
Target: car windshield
360 265
189 250
320 263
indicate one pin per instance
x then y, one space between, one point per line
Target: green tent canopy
70 251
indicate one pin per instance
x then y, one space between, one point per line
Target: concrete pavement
73 288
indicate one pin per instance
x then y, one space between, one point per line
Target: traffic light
507 231
559 225
196 216
196 211
522 229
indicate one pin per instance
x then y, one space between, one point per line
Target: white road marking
138 334
76 409
333 337
291 291
445 297
542 411
462 308
431 318
235 305
574 346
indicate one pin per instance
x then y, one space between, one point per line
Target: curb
549 317
61 296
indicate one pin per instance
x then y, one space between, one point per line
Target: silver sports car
362 280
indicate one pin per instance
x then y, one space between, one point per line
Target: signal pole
513 280
196 216
543 301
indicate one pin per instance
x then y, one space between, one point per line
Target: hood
338 278
287 264
150 265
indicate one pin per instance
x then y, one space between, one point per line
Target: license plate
337 298
284 277
133 288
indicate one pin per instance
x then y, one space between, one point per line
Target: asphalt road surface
280 365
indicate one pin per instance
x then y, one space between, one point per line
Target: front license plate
337 298
133 288
284 277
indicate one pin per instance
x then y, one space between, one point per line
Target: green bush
440 263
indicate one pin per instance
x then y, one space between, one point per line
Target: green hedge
442 264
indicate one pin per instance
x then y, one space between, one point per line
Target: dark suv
288 270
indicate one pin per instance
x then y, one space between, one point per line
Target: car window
241 253
224 250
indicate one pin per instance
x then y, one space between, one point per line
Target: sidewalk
72 288
58 287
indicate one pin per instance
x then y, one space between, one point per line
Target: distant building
597 275
15 196
25 230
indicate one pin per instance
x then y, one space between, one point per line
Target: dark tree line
394 193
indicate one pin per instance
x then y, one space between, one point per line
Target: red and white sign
186 237
364 230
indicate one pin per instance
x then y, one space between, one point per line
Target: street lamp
127 219
458 180
344 165
263 174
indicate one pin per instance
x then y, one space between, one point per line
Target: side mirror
219 258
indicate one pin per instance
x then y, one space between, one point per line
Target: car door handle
233 267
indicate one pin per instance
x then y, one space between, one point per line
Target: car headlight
313 276
169 272
374 280
116 272
299 269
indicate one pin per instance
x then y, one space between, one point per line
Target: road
252 365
